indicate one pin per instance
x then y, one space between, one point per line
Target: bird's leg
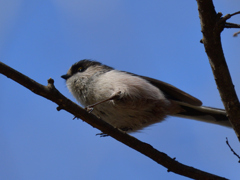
114 96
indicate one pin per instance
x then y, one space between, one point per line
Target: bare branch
51 93
212 25
231 25
236 33
232 150
233 14
227 16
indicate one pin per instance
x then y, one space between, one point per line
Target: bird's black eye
80 69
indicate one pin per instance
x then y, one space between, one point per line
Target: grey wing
173 93
191 106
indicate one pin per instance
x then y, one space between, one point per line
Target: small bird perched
131 102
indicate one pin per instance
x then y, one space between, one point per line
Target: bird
132 102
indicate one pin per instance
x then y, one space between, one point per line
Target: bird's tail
205 114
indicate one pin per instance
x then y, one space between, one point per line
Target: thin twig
236 34
228 16
232 150
233 14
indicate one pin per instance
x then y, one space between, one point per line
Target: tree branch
51 93
212 25
236 33
231 25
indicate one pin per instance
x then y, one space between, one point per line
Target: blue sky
159 39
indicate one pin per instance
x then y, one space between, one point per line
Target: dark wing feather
172 92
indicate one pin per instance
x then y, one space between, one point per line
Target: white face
78 82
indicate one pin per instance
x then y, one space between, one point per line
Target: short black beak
65 76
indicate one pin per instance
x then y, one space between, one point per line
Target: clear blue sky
159 39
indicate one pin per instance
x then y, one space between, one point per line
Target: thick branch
51 93
212 25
